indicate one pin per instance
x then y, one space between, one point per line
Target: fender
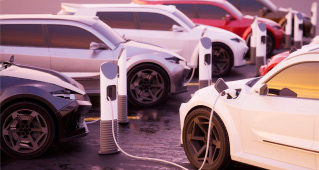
205 99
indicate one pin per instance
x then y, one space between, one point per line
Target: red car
222 14
281 56
273 62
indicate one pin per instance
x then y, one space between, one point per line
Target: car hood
217 31
263 20
238 84
43 75
139 47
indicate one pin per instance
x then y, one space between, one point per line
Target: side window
29 35
118 19
64 36
300 79
187 9
153 21
250 7
211 12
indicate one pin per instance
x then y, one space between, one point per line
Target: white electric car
272 122
77 46
167 27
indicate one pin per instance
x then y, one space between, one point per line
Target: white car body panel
184 43
267 131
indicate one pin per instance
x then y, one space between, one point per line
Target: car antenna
11 59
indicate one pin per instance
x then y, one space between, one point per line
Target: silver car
76 46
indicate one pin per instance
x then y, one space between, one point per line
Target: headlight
173 60
236 39
67 94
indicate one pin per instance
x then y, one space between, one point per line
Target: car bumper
72 124
178 79
239 54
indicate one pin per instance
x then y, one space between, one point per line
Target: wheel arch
152 63
233 135
34 99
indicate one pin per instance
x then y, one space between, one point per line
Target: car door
69 47
157 29
280 126
217 16
26 43
124 23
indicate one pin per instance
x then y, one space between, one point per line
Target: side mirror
261 89
229 18
98 46
176 28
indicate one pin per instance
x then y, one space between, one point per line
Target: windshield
184 18
108 33
234 10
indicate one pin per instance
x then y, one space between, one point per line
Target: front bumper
72 124
239 53
178 78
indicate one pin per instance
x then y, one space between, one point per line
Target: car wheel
148 85
27 130
222 59
195 134
270 45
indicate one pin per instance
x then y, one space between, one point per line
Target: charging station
254 28
261 46
108 88
314 17
205 62
298 30
288 29
122 88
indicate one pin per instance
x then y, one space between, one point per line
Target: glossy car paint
262 128
26 83
270 11
237 23
83 64
184 42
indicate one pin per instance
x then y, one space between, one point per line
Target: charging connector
223 90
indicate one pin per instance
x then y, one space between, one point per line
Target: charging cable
233 95
138 157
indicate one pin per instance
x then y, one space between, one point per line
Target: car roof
306 50
122 6
88 20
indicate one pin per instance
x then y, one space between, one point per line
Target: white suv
272 123
77 46
167 27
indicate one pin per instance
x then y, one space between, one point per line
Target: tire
222 59
270 46
147 85
195 139
27 130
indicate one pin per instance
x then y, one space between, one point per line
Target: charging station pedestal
261 46
122 88
298 30
205 62
254 28
314 18
288 29
108 88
